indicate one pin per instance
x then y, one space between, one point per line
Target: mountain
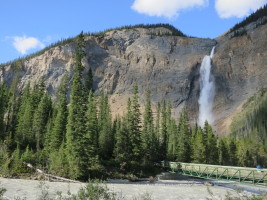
161 59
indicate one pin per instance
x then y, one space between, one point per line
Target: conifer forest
76 136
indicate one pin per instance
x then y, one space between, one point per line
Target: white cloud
165 8
237 8
24 43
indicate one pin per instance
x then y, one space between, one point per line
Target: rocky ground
159 190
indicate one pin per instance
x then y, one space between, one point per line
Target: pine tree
16 164
157 123
128 148
4 158
58 132
168 118
232 151
24 135
40 119
134 122
172 134
257 151
172 141
76 128
211 145
3 106
13 106
48 129
106 137
223 154
163 132
198 146
89 81
28 157
241 153
123 146
92 133
184 140
37 93
58 161
149 139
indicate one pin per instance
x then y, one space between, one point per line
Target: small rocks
208 183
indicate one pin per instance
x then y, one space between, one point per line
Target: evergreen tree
223 155
89 80
172 141
48 130
168 118
37 93
3 105
232 151
184 140
13 106
28 156
211 145
149 139
4 158
198 146
134 126
24 135
172 135
58 161
76 128
40 119
92 133
123 146
242 154
106 137
16 164
163 132
58 132
157 125
258 155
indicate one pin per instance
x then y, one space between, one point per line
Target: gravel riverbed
164 189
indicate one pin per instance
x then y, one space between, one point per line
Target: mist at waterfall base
207 91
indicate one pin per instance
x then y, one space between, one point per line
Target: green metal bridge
242 175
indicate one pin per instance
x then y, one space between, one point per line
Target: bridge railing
239 174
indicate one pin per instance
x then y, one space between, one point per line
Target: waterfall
207 91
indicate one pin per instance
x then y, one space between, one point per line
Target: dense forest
78 138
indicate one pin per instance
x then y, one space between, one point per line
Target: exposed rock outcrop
166 65
240 69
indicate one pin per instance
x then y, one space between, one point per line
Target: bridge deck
239 174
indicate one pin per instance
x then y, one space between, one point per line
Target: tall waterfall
207 91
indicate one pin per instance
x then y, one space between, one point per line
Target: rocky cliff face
240 69
168 66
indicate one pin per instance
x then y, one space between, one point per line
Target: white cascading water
207 91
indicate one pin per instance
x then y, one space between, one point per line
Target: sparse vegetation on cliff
173 32
18 62
239 29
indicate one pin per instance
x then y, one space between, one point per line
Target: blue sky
29 25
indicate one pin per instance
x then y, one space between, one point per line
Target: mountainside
240 70
158 61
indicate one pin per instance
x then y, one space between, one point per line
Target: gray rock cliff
168 66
